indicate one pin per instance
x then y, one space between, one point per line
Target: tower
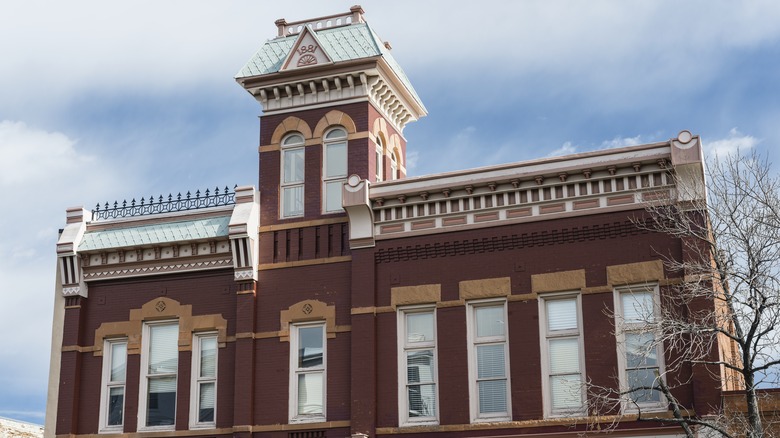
335 103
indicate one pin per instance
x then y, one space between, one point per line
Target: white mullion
637 328
296 372
474 343
560 335
406 349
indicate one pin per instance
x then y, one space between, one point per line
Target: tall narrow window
159 367
380 152
417 376
393 166
639 352
307 373
334 172
488 361
203 393
562 355
293 162
112 397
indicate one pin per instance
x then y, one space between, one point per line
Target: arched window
380 151
334 169
393 166
293 159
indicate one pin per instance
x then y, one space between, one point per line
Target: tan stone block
558 281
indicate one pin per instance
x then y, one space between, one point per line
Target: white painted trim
403 407
544 339
472 363
325 178
628 406
293 396
195 381
283 185
524 169
105 383
144 378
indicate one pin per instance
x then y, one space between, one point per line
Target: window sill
203 426
111 430
421 423
491 420
157 428
306 420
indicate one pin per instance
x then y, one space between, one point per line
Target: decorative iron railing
162 205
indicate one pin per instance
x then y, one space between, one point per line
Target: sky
104 101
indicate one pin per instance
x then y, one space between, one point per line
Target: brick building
340 297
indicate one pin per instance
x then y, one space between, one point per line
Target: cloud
411 159
31 155
41 173
565 149
619 142
735 142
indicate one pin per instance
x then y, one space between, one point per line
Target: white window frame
197 338
293 184
403 349
378 160
622 328
473 342
107 384
295 371
144 379
546 337
333 178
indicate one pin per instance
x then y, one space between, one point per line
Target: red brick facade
310 268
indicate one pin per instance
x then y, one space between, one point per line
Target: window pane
492 396
564 356
293 201
293 140
206 402
118 362
310 347
161 404
163 348
208 356
310 393
643 378
333 195
566 392
336 133
293 165
422 400
637 307
419 327
419 366
378 163
336 160
562 315
490 321
490 361
116 401
640 350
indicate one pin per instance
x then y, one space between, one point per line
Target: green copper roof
345 43
156 234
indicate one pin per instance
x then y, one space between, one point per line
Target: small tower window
380 151
334 169
393 166
293 159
